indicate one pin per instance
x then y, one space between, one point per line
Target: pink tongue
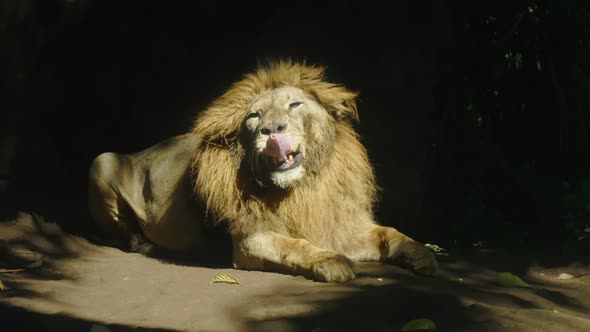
278 146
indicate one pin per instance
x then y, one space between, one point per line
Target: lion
277 160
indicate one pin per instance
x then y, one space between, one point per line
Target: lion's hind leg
108 211
111 207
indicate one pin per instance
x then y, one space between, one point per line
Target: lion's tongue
278 146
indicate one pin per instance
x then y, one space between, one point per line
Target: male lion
277 159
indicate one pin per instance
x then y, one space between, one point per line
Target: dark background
476 114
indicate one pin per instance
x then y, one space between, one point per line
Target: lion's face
287 134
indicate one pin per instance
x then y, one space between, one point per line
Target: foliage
508 279
421 324
513 132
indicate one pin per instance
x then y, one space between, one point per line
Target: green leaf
508 279
99 328
36 264
421 324
225 279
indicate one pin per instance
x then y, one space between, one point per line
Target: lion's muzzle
279 151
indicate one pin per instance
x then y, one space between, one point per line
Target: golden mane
308 209
223 118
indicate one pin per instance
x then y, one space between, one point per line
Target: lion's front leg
386 244
271 251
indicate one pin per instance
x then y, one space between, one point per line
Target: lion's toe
336 268
419 259
427 265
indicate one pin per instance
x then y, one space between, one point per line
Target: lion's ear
338 101
346 110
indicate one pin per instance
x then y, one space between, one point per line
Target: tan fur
314 220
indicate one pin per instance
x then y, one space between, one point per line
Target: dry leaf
225 279
508 279
421 324
2 287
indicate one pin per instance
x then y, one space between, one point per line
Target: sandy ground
80 284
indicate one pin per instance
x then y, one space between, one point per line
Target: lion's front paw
418 258
333 268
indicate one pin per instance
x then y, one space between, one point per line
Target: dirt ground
80 284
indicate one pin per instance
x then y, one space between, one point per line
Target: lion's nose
272 127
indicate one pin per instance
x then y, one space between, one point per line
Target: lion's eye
295 105
253 115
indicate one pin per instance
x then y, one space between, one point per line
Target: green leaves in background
421 324
508 279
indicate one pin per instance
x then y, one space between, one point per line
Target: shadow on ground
384 298
17 319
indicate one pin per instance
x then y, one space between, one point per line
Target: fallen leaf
36 264
99 328
225 279
565 276
508 279
2 287
421 324
379 279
